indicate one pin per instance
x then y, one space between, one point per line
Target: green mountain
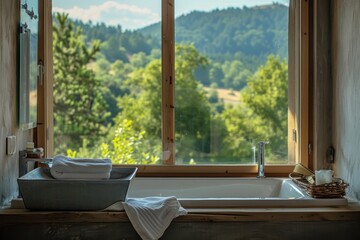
235 40
234 33
116 44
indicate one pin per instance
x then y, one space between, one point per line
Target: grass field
227 95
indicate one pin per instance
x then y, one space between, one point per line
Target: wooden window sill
209 170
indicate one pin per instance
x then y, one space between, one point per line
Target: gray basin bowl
40 191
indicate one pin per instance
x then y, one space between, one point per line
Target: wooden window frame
43 133
299 99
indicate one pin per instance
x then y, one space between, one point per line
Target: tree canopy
79 106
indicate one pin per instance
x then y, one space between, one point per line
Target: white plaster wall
9 15
346 91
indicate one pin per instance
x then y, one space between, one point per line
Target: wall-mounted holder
10 145
330 155
27 164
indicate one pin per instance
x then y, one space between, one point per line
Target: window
231 81
192 150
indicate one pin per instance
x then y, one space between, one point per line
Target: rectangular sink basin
40 191
230 192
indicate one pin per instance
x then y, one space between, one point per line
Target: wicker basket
335 189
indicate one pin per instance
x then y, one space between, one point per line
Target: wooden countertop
348 213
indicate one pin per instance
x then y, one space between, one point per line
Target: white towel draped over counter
80 168
151 216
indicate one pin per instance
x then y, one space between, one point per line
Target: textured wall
9 15
346 91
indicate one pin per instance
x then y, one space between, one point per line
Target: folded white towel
77 168
151 216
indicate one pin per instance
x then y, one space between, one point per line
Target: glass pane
107 79
28 60
231 81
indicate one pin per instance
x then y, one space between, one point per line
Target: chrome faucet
261 159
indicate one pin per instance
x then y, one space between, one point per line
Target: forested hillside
233 38
246 34
107 87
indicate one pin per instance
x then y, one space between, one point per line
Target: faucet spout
261 159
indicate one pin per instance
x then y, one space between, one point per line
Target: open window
181 107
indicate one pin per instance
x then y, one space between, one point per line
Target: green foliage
129 147
267 96
117 44
113 50
245 34
192 109
213 96
216 75
263 114
142 105
79 107
233 39
240 134
235 74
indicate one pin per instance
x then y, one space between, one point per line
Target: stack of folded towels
80 168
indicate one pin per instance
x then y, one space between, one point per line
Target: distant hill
116 44
233 33
236 40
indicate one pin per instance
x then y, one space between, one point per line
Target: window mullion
168 86
304 84
44 132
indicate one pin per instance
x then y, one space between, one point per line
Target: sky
134 14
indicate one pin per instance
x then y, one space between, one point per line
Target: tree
216 74
113 50
143 103
263 116
240 134
192 109
79 107
213 94
129 146
235 74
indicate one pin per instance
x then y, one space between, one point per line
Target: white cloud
113 13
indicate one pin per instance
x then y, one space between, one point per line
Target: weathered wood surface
349 213
218 224
323 101
168 82
187 230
